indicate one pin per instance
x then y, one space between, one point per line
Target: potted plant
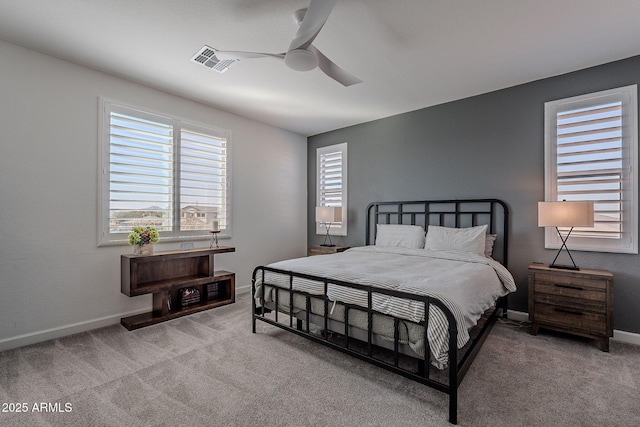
142 239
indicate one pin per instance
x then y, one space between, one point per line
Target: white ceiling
410 54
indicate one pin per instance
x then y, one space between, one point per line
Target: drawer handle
576 288
563 310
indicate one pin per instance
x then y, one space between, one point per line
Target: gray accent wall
490 145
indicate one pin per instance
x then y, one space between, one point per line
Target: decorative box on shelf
188 296
324 250
578 302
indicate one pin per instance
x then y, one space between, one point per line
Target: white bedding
466 283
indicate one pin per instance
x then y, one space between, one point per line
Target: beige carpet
209 370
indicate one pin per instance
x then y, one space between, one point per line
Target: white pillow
406 236
471 239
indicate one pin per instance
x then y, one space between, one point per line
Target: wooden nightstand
578 302
324 250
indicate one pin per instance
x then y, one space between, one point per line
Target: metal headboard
446 213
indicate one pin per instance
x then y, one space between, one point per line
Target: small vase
146 249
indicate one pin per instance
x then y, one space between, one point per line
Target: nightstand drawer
571 318
583 282
571 303
558 286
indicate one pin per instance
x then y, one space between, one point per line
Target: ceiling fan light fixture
301 60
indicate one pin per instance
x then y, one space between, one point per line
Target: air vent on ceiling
207 57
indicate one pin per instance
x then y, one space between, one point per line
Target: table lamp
328 215
565 214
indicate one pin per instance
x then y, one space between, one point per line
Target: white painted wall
54 280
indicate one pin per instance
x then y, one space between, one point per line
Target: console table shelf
165 274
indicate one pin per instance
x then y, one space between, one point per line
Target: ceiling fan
301 56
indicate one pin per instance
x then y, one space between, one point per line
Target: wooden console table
164 274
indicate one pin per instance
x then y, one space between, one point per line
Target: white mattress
466 283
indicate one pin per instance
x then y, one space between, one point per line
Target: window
591 153
162 172
332 184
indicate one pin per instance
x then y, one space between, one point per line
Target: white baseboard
75 328
61 331
518 316
243 289
622 336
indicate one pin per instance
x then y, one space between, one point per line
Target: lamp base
564 267
328 246
564 246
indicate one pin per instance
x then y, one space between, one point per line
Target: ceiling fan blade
314 18
332 70
237 55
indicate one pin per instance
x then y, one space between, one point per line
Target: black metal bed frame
451 213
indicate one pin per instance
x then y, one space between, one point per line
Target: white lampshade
565 214
328 214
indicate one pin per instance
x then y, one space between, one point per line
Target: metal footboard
422 375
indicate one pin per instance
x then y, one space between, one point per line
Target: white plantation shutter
203 176
162 172
332 184
591 154
141 172
331 179
589 164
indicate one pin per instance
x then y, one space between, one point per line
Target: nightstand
324 250
578 302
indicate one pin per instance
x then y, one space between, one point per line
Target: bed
370 301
